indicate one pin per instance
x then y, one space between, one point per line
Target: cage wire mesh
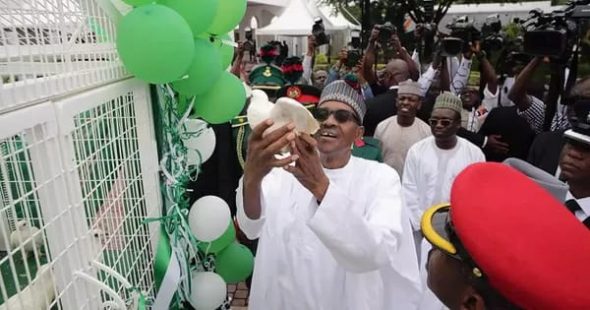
37 223
82 182
21 257
108 162
52 47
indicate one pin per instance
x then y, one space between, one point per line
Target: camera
492 40
428 6
555 34
385 32
353 57
319 32
462 34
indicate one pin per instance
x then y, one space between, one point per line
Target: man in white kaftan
430 169
348 246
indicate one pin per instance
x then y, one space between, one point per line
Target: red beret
528 245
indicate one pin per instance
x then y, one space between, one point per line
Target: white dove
27 237
38 295
97 239
286 110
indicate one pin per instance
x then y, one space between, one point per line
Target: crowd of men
419 191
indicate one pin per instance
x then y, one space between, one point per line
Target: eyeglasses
445 122
341 116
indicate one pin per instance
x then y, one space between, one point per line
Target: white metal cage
53 47
78 160
80 175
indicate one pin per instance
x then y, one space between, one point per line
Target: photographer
531 107
506 133
545 151
381 35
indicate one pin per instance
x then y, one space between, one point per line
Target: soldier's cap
267 77
268 53
557 188
580 132
292 68
305 94
515 236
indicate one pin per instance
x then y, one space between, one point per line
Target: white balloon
209 218
204 143
208 290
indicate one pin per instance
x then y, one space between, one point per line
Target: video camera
559 28
319 32
462 34
493 40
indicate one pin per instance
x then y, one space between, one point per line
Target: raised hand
263 147
308 167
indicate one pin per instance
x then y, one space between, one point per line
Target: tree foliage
392 10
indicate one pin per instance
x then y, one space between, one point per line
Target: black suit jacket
514 130
220 174
546 149
378 109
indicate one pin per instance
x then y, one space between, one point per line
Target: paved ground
240 296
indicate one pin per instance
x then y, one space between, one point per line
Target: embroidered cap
342 92
447 100
410 87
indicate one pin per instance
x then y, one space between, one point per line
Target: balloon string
188 111
230 43
177 173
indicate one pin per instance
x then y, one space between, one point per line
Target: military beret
266 77
517 236
305 94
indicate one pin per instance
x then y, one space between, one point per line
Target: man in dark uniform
517 250
546 148
575 168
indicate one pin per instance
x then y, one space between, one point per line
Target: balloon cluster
203 235
210 222
186 43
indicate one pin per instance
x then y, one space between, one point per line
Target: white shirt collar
584 202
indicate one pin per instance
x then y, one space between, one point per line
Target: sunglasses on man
341 116
445 122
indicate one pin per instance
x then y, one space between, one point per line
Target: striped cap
342 92
447 100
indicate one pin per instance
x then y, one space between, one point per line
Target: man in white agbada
430 169
399 132
333 233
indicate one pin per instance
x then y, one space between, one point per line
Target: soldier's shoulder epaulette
239 121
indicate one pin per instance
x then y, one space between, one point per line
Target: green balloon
235 263
228 16
220 243
224 100
155 44
199 14
225 50
204 71
138 2
182 103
